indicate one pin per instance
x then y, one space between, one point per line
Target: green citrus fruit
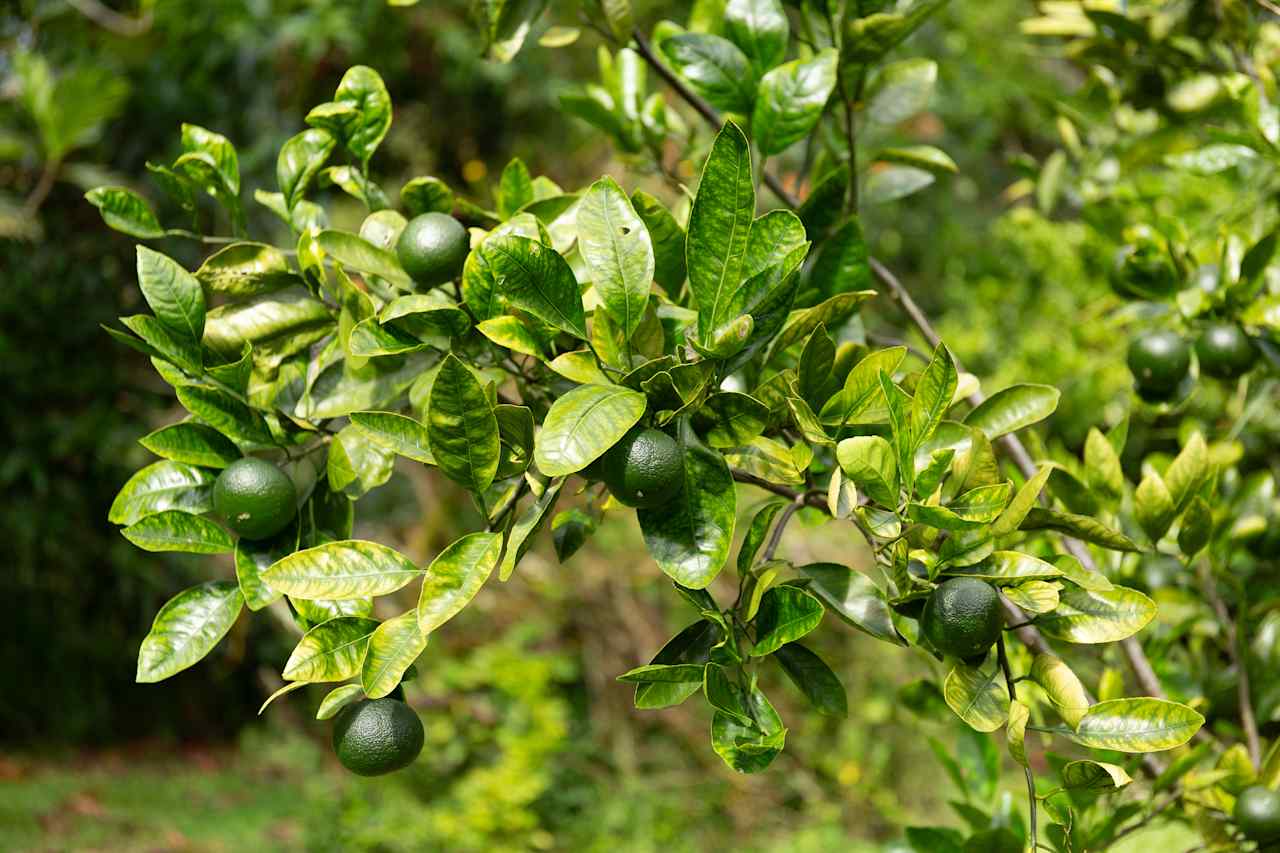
432 248
1257 813
1144 271
377 736
644 469
1159 361
255 498
962 617
1225 351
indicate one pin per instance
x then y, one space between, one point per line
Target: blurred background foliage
531 745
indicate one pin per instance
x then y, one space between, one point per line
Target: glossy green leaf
724 694
359 254
455 576
831 313
983 504
371 339
1137 725
300 159
861 400
667 238
715 68
933 395
393 648
163 486
426 195
398 433
790 101
868 461
1080 526
515 188
760 29
356 465
692 646
869 37
681 673
337 699
363 127
853 597
221 153
253 556
615 245
1097 616
1009 566
174 530
162 342
226 414
341 570
187 627
246 269
1102 466
749 748
786 614
1014 408
719 228
1034 596
843 264
518 538
1094 776
1188 471
924 157
1154 507
690 537
173 294
514 269
126 211
978 694
1079 575
1016 731
331 651
1021 504
282 322
891 183
901 90
1196 527
737 418
815 679
462 428
343 389
584 423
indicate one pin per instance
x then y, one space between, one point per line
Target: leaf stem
1010 681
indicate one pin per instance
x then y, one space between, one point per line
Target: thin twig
1013 697
780 527
812 499
1248 721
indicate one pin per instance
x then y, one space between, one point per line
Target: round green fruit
1159 361
962 617
255 498
1257 813
1144 271
432 248
644 469
1225 351
377 736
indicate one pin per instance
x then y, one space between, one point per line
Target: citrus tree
566 353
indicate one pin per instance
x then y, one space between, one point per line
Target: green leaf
1137 725
1080 526
815 679
724 695
339 698
174 530
1188 472
361 255
126 211
300 158
1079 575
279 323
331 651
682 673
455 576
163 486
749 748
692 646
786 614
1014 408
760 28
1097 616
854 598
341 570
364 127
737 418
715 68
185 630
584 423
462 428
667 238
192 443
220 152
370 339
252 559
357 465
790 101
1196 527
894 182
982 504
426 195
1034 596
868 461
843 266
1022 502
398 433
226 414
617 250
393 648
924 157
1102 466
719 228
1094 776
1153 505
515 188
901 90
245 269
933 394
1009 566
1016 731
978 695
525 526
173 294
869 37
862 399
1062 687
161 342
525 273
831 313
690 537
